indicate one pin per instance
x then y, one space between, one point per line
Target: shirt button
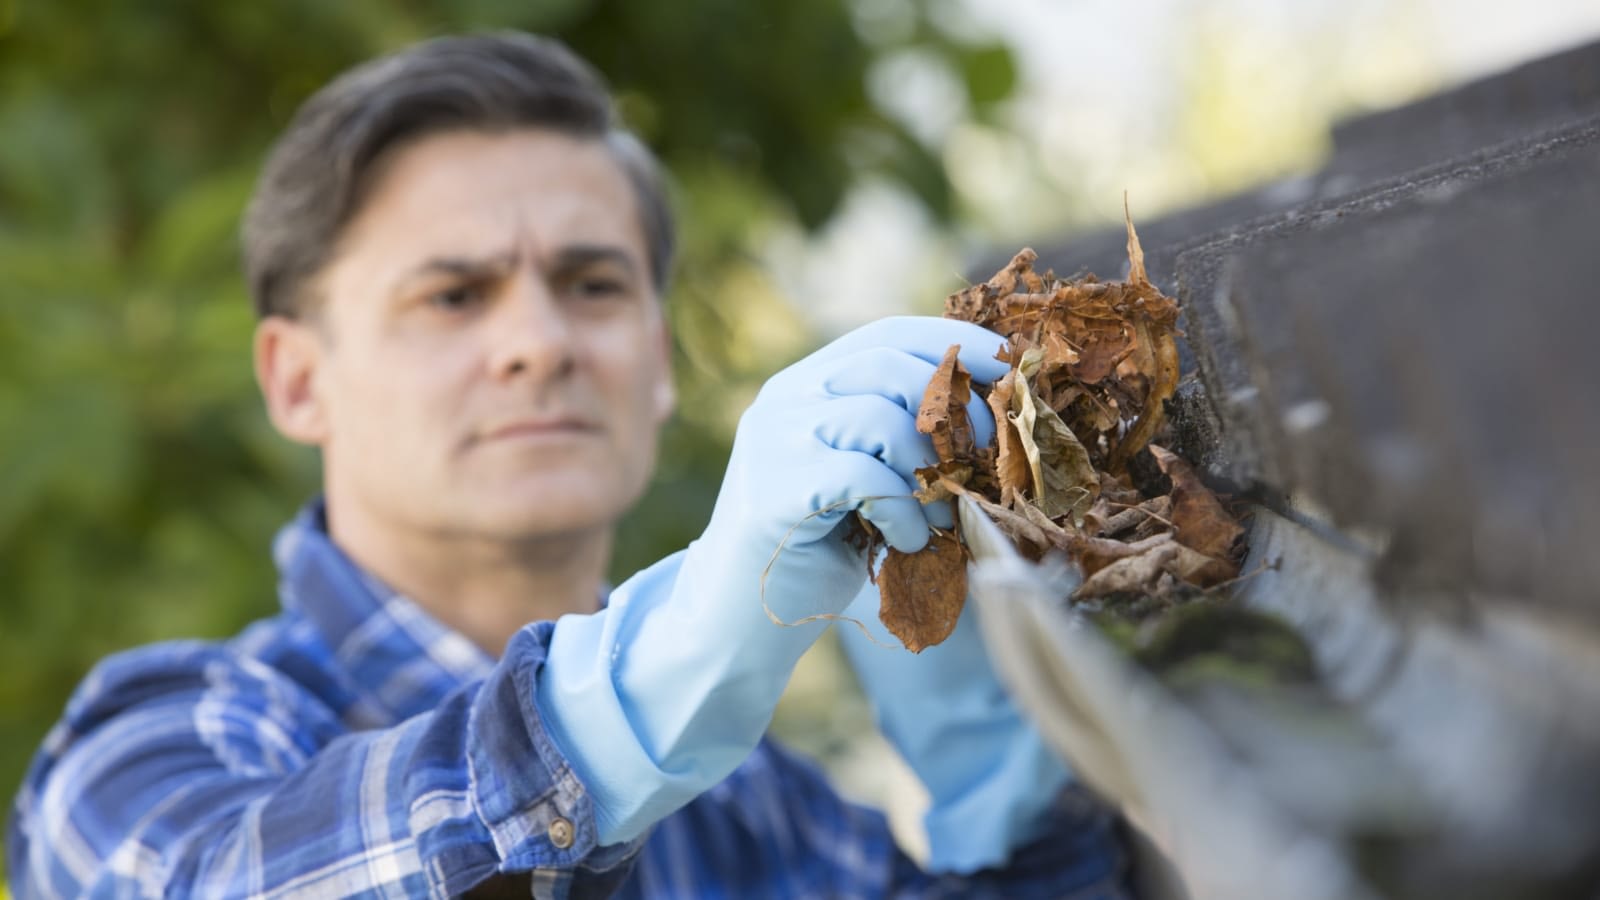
560 832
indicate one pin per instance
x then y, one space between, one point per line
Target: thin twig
820 617
1140 507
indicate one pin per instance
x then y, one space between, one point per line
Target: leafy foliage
141 482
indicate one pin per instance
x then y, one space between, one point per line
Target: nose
531 335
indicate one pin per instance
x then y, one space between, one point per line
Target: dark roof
1401 340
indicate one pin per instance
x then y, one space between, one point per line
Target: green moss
1193 635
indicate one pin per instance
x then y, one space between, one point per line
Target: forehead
527 190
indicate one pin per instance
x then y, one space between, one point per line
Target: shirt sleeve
776 828
185 770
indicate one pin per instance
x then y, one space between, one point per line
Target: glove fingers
887 372
902 522
900 378
926 338
899 516
940 515
879 427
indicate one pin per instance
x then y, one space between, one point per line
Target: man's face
491 356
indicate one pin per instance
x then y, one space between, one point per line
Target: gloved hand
990 776
658 697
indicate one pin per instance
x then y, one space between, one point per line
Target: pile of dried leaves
1091 364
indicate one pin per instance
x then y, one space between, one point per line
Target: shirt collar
401 660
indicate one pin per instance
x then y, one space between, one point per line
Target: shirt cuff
536 809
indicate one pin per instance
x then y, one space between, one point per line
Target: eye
598 286
457 298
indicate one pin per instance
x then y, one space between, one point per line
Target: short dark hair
321 168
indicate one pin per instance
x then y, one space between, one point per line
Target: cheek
393 407
639 372
360 411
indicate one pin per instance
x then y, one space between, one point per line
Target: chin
546 507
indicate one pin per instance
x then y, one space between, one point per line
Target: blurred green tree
140 483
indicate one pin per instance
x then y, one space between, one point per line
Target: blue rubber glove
990 776
661 695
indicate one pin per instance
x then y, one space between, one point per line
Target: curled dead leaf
1199 517
922 593
1094 553
1163 350
1136 272
1058 537
1063 479
1200 570
1011 462
1138 573
978 303
943 413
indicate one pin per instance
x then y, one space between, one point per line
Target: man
458 258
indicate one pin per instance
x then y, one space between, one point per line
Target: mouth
540 429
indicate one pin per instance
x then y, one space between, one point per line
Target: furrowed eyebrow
577 256
466 267
565 260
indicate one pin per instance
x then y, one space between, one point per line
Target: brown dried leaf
1136 272
1062 393
1094 554
1030 538
1132 574
1152 510
1118 489
1094 521
943 413
923 593
937 482
1143 571
1159 522
1089 413
1056 536
976 303
1202 522
983 475
1164 381
1011 462
1102 344
1200 570
1015 525
1058 351
865 537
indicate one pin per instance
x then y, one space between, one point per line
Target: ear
666 393
288 355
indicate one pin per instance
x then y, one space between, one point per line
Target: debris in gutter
1074 468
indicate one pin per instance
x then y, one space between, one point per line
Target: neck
484 588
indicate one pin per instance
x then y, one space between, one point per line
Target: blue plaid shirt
354 746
